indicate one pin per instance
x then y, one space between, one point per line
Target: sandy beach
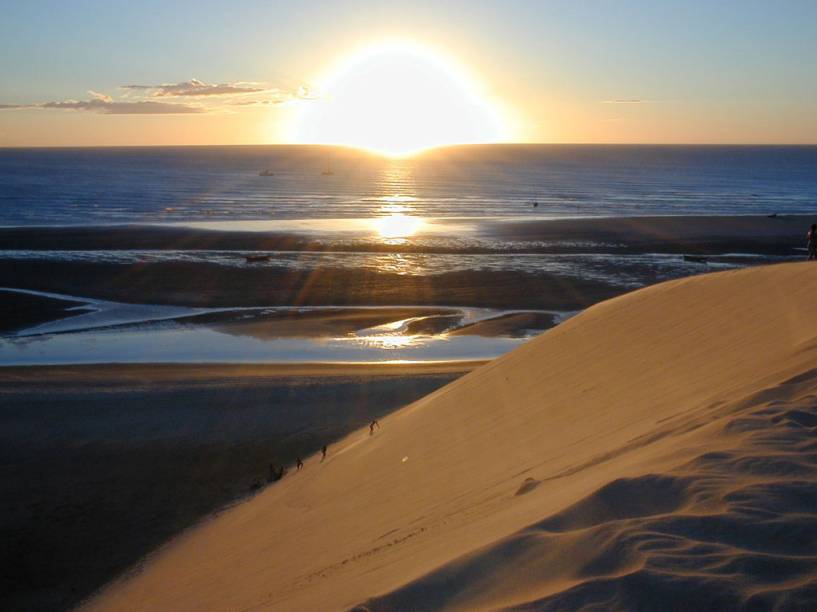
94 438
408 306
121 459
655 451
103 464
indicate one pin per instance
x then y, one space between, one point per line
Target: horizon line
446 146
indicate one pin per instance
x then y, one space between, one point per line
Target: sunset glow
397 99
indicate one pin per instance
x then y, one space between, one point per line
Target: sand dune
655 452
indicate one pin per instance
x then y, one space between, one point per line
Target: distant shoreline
670 234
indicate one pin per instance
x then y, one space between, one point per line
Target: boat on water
696 259
256 258
328 170
266 172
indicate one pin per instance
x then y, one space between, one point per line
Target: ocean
455 227
47 187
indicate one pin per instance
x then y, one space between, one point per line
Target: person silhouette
372 426
323 453
811 242
298 464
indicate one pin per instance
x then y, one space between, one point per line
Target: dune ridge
656 451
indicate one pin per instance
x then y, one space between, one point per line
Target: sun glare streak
396 99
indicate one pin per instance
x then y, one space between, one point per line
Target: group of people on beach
277 472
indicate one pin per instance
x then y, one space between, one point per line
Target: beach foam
654 452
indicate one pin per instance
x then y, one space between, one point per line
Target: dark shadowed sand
100 465
187 284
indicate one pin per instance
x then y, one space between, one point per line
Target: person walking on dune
298 464
811 243
323 453
372 426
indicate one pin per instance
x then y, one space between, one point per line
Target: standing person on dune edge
811 238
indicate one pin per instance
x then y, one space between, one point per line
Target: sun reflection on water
398 226
391 341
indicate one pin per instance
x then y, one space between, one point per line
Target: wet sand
671 234
779 235
112 461
309 324
186 284
511 324
210 284
20 310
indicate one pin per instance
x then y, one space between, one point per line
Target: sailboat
267 171
328 171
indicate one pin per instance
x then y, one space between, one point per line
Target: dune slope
657 451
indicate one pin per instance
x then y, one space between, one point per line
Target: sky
398 76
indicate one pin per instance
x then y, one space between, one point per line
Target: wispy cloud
628 101
107 106
194 87
138 107
274 97
153 99
100 96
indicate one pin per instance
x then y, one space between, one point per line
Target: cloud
194 87
152 99
275 97
105 105
108 107
100 96
628 101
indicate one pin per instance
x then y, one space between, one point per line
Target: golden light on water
398 98
391 342
398 226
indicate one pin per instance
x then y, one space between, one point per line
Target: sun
398 98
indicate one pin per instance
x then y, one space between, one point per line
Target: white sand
658 451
